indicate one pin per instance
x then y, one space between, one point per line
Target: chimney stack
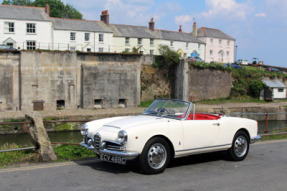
105 17
47 9
180 30
151 25
194 30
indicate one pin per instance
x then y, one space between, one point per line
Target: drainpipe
20 81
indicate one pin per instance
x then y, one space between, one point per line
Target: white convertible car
167 129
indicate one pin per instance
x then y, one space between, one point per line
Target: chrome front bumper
255 139
127 155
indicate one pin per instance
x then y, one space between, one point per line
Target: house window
73 48
101 49
127 40
186 45
227 54
211 52
198 46
280 90
211 41
219 41
87 36
228 43
127 50
171 43
72 36
101 37
31 45
89 50
151 52
139 41
9 27
31 28
10 44
151 42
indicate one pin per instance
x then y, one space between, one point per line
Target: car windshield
176 109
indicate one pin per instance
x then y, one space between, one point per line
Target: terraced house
32 28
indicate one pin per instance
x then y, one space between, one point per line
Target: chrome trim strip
87 146
128 156
255 139
202 148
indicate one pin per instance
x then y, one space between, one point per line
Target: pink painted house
219 46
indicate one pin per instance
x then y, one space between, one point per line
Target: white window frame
31 28
171 43
228 43
101 49
73 49
87 37
127 50
151 42
8 28
140 41
227 54
127 41
72 36
220 42
211 41
151 52
31 45
186 45
211 53
101 37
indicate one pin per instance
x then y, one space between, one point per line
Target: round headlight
122 137
84 130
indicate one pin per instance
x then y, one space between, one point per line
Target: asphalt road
265 168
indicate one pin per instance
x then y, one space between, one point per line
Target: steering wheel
162 110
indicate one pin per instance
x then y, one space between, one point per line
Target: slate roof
214 33
132 31
79 25
178 36
274 83
23 13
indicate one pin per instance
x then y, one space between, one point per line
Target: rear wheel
155 156
240 146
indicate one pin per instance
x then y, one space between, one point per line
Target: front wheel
155 156
240 146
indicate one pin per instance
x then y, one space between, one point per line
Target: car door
200 134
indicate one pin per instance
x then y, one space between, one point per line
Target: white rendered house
25 27
81 35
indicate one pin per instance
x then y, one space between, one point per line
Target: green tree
168 57
57 7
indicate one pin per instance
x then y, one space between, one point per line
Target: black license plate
113 159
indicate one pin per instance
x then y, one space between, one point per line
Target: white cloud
183 19
260 15
229 8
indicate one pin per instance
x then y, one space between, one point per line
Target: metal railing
266 118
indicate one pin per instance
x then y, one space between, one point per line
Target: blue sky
259 26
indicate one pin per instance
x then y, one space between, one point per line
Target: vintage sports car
167 129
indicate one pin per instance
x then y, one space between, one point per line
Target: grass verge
274 137
63 152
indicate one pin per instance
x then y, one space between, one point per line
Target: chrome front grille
97 142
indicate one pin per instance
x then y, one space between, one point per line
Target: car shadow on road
199 159
99 165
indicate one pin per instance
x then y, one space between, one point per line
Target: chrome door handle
217 124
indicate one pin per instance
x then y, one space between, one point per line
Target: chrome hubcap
157 156
240 146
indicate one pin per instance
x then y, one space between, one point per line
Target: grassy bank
63 152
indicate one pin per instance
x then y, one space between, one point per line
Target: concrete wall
48 77
200 84
9 78
110 81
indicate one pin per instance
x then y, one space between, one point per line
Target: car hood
134 121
